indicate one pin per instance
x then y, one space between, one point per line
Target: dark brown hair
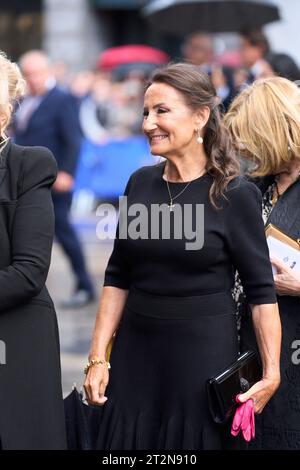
257 38
198 91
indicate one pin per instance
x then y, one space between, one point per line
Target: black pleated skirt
164 351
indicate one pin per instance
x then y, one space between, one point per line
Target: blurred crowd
109 108
84 117
111 99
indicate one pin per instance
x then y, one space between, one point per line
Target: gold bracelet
96 361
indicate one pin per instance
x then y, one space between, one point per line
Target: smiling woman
178 120
164 109
171 306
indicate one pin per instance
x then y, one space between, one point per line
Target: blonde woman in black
265 124
31 405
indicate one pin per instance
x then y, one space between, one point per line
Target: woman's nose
149 123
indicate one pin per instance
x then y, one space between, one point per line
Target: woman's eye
159 111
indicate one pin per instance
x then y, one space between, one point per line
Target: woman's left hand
261 392
287 281
64 182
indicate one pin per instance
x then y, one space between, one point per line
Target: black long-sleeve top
234 238
26 223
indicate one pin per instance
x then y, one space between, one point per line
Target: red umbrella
121 55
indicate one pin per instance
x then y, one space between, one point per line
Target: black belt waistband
175 307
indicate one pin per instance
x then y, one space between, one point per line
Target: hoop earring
199 138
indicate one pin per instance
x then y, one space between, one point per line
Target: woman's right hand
261 392
95 384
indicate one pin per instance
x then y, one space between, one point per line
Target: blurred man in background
254 47
48 116
198 49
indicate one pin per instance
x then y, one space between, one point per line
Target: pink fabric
244 420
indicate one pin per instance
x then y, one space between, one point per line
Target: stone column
74 33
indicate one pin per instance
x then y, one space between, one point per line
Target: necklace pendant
171 206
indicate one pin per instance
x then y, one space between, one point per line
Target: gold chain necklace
172 198
276 194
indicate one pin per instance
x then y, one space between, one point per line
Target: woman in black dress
265 118
31 405
167 293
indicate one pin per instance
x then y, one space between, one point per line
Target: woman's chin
157 149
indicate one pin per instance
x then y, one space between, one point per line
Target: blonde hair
12 86
264 121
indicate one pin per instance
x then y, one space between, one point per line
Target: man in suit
254 47
198 49
48 116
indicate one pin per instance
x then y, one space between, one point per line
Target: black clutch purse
227 384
